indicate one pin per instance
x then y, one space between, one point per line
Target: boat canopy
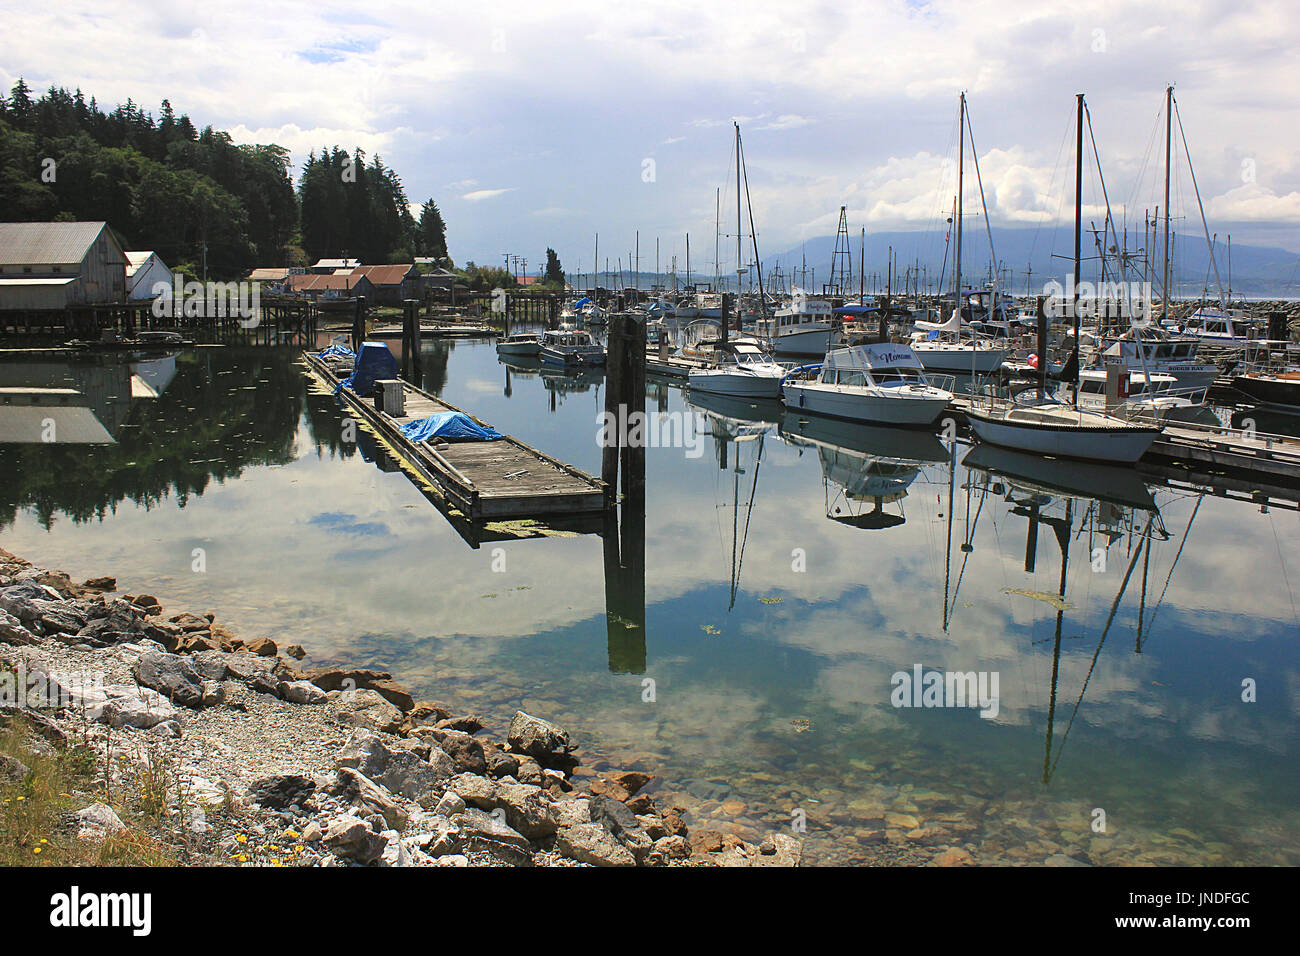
872 357
858 310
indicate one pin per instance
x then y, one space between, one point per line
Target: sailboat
1045 424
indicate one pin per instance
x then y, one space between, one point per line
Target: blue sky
535 125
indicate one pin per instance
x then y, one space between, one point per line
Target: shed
144 271
54 265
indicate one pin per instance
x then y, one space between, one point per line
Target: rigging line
1051 188
1281 563
749 511
1096 154
1223 302
1101 641
988 228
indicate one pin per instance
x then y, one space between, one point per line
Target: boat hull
862 407
959 361
813 342
585 359
524 349
1122 444
1276 393
718 382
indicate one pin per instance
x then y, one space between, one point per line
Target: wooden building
144 271
58 265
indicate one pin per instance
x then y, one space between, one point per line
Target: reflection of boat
571 380
735 409
520 343
870 466
1053 476
868 383
742 368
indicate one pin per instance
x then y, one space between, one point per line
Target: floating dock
486 480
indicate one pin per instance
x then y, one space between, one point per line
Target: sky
536 124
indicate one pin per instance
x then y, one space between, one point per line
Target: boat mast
1078 232
738 254
717 231
961 157
1169 134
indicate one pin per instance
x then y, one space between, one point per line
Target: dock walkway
487 480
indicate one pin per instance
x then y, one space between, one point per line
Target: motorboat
570 347
522 344
742 368
939 353
883 383
803 327
1047 425
1276 389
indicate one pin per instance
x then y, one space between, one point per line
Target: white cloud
481 194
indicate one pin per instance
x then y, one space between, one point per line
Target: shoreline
262 762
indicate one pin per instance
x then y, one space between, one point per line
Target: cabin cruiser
520 343
700 338
1146 395
742 368
1229 327
1161 352
938 353
882 383
801 328
570 347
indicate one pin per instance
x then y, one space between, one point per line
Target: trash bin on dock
390 397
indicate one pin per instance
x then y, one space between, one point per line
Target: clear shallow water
770 696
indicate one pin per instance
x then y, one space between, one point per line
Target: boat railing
945 383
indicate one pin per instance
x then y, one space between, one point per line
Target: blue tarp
374 362
341 350
582 302
856 309
452 425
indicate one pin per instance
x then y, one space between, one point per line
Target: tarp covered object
340 350
374 362
450 425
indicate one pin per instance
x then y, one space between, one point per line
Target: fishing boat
742 368
867 383
803 327
1161 352
522 344
570 347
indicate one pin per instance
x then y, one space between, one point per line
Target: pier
486 480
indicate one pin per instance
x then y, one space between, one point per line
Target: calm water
790 570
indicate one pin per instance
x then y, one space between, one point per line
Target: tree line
194 196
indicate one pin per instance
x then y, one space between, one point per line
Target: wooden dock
486 480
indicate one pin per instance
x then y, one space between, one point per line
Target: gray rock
592 843
302 692
474 790
464 750
211 665
528 809
543 741
353 839
60 617
121 623
127 706
490 834
787 851
281 790
171 675
399 770
97 822
214 693
12 630
366 708
255 671
357 790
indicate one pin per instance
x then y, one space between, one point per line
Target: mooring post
1040 312
358 322
612 434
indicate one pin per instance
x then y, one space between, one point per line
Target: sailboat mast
961 171
737 125
1078 229
1169 134
717 232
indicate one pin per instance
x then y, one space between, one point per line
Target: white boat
938 354
868 383
570 347
742 369
1162 353
1148 395
1049 426
520 343
801 328
1225 327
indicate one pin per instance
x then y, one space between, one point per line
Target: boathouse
324 267
330 287
392 283
57 265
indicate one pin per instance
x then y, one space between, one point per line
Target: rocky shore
253 757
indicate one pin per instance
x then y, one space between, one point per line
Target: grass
38 826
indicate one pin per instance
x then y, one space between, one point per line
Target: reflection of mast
738 558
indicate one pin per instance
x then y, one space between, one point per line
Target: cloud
480 194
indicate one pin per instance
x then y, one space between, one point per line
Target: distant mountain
1038 255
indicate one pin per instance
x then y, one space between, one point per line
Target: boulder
359 791
474 790
301 692
489 833
353 839
262 646
280 791
98 822
592 843
366 708
399 770
12 630
546 743
172 676
465 751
